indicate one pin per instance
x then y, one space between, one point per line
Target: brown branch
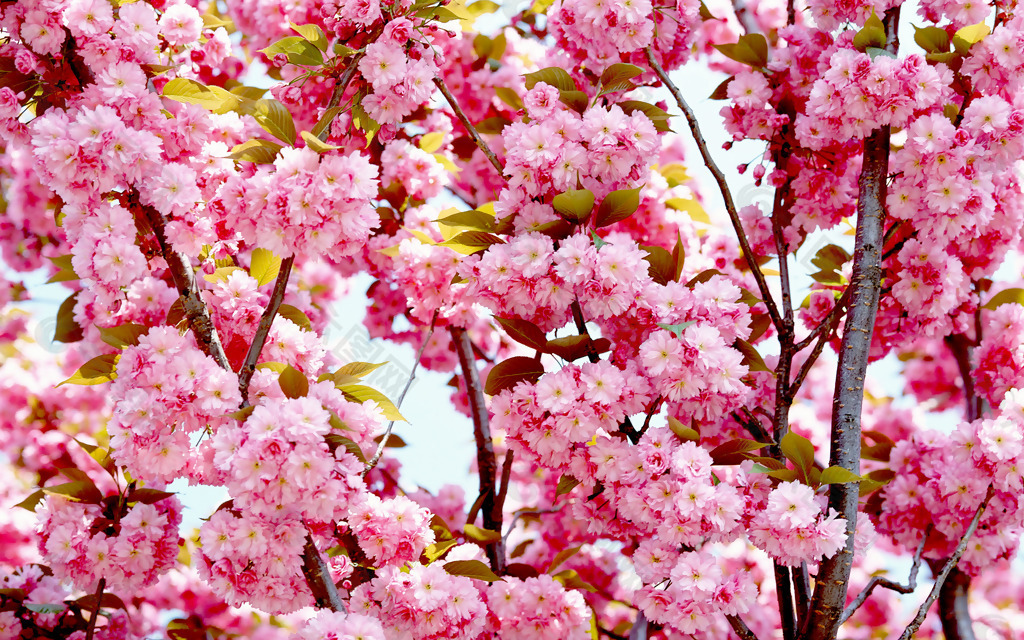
960 345
827 321
196 313
473 133
879 581
96 609
639 629
833 577
252 356
487 466
744 17
318 578
723 186
408 383
940 579
741 628
338 92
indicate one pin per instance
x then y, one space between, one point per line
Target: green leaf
65 272
469 242
326 119
288 312
554 76
275 119
574 205
617 206
617 77
68 330
335 441
721 92
264 266
312 34
293 382
677 329
684 433
1006 296
148 496
660 264
437 550
658 116
931 39
96 371
471 569
106 601
733 451
316 144
872 35
751 50
565 485
799 451
474 220
192 92
786 475
575 347
524 332
838 475
221 274
572 580
509 97
362 393
359 369
751 357
481 536
257 150
30 503
967 37
78 491
297 49
481 7
691 207
561 557
829 260
575 100
508 373
124 335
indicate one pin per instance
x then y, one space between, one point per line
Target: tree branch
252 356
196 313
318 577
338 92
473 133
741 628
723 186
408 383
879 581
834 573
915 624
639 629
96 609
487 467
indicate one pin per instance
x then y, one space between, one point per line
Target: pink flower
181 24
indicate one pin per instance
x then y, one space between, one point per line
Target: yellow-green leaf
362 393
799 451
220 275
192 92
431 142
574 205
258 150
264 266
471 569
96 371
312 33
838 475
617 206
316 144
275 119
65 272
297 49
481 536
123 335
293 383
968 36
1006 296
359 369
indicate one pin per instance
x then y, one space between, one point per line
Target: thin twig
524 512
915 624
318 577
252 356
879 581
741 628
827 321
339 91
723 186
487 466
96 609
408 383
473 133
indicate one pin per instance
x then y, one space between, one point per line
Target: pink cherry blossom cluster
792 526
1000 357
400 70
166 388
425 602
538 608
392 531
82 544
417 171
941 480
249 559
857 94
335 625
750 115
277 463
996 64
828 16
605 148
698 595
606 281
931 285
319 203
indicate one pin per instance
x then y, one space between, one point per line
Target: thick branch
954 610
318 577
487 466
473 133
723 186
263 330
940 579
834 573
96 609
639 628
741 628
196 313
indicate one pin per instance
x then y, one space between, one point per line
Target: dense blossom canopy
676 435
